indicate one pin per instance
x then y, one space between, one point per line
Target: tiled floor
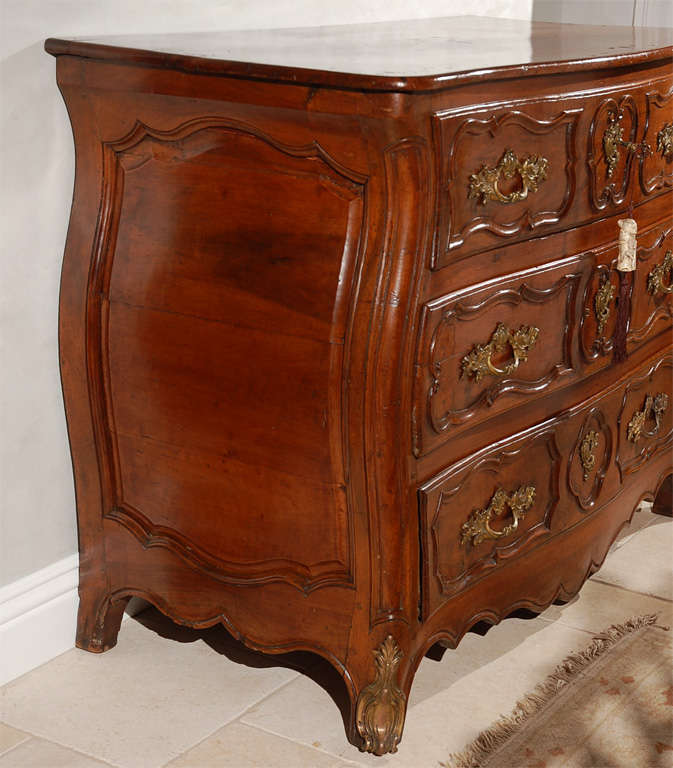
169 696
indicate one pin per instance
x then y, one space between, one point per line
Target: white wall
37 507
639 13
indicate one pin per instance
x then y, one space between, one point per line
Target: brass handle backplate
613 140
654 408
662 272
665 141
532 172
478 362
478 528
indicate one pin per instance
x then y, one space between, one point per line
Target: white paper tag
626 261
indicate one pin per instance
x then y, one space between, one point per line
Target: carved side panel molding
193 139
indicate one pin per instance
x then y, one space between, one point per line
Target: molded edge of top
342 80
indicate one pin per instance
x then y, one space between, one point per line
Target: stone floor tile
38 753
147 700
10 737
244 746
640 560
599 605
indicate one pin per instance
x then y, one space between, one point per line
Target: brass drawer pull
655 407
478 525
602 300
478 362
613 139
660 273
587 456
532 171
665 141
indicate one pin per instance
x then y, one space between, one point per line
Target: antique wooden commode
348 361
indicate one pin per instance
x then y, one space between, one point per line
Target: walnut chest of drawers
348 362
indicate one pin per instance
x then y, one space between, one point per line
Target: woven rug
609 705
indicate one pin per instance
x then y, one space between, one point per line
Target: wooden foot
381 705
663 503
98 621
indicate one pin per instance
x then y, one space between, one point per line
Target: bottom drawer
496 504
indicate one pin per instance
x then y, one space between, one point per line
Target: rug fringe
506 726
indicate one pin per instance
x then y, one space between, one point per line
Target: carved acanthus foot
382 704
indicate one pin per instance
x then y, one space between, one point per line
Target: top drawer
509 172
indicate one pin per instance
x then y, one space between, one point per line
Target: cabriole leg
663 503
98 620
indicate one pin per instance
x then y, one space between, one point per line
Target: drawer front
630 130
509 172
651 301
492 507
486 510
494 346
656 170
645 418
506 174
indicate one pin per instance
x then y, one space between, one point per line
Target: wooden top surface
420 55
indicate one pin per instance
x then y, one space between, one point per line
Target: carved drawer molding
484 348
505 173
652 310
645 421
590 458
656 170
523 475
651 300
612 149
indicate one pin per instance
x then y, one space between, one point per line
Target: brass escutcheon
587 448
613 139
478 362
602 300
654 408
665 141
532 171
660 273
478 526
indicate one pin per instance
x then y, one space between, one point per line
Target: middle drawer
495 345
504 342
